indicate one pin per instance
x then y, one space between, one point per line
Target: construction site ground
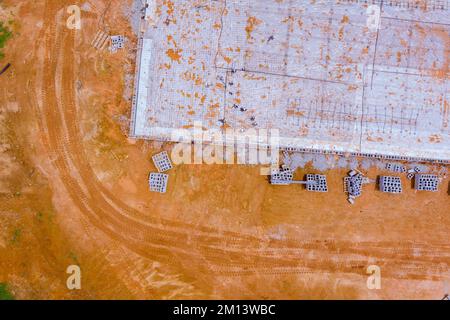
74 190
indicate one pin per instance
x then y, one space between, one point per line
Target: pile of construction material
158 180
284 176
390 184
399 168
353 184
102 39
422 181
426 182
316 183
396 167
355 179
413 172
117 42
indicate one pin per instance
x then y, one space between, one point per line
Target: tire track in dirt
90 204
57 145
165 240
125 209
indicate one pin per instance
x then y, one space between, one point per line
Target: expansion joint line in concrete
285 75
220 33
376 44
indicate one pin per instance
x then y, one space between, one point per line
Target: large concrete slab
312 70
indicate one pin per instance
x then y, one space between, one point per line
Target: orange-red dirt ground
73 190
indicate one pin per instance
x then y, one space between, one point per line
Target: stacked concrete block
347 183
354 185
395 167
162 161
390 184
283 176
158 182
117 42
316 183
426 182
